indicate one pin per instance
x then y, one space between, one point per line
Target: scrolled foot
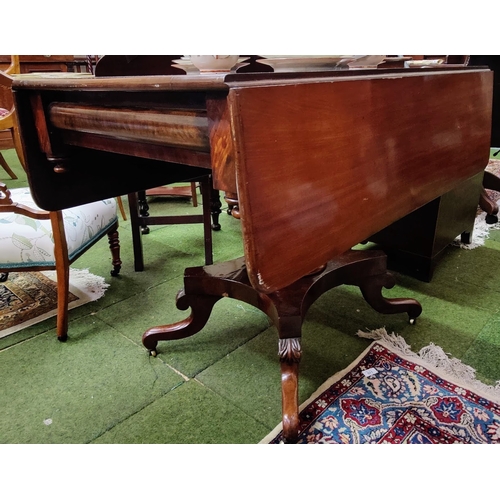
371 289
201 308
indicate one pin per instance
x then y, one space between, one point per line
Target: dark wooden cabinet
416 243
493 62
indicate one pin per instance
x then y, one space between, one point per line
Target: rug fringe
94 285
480 233
435 358
390 338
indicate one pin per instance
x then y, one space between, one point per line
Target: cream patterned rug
27 298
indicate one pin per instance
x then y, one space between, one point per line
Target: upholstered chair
32 239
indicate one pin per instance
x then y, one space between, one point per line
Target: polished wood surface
341 136
319 162
359 161
186 129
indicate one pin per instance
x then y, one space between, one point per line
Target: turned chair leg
143 210
114 246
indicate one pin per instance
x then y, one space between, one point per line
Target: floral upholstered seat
27 242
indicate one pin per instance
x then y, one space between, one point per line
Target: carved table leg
287 308
290 352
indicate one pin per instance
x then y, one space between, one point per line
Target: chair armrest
7 205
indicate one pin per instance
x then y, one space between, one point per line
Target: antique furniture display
139 208
32 239
349 152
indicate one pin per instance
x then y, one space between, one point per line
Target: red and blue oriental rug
391 395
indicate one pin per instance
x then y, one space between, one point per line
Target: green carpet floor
223 384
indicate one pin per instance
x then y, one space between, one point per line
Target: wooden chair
32 239
9 134
140 219
176 191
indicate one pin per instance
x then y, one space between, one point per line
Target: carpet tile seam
140 346
233 403
130 415
24 340
175 370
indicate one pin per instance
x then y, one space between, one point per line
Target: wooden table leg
290 352
204 286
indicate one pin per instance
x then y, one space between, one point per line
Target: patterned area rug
30 297
391 395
